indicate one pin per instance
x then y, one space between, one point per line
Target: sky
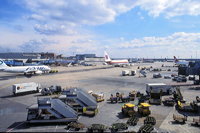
123 28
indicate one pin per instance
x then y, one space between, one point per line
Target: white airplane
182 62
115 62
24 69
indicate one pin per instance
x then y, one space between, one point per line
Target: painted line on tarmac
9 130
56 128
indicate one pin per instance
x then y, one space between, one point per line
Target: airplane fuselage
25 69
118 62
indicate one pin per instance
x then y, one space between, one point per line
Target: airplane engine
38 72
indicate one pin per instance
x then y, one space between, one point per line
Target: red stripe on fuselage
116 62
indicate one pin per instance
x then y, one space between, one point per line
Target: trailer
147 128
179 118
115 127
26 87
97 128
51 90
166 89
150 120
169 101
132 121
75 126
118 98
196 121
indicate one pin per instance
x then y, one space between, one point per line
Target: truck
155 97
98 96
128 109
26 87
143 109
125 72
166 89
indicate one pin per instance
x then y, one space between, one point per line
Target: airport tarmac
104 79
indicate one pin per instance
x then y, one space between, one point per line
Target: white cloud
170 8
180 43
54 29
95 12
180 38
91 12
36 45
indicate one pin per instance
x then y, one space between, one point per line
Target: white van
125 72
166 89
26 87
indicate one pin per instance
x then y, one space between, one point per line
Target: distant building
96 59
23 56
48 55
83 56
20 55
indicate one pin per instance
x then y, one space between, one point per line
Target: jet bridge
78 99
51 110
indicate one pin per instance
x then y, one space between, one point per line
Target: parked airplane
182 62
24 69
115 62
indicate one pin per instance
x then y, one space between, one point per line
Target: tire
37 90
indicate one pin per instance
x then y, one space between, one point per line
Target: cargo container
26 87
166 89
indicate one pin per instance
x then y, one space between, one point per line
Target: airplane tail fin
2 64
175 59
106 56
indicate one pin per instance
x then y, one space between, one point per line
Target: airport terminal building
18 55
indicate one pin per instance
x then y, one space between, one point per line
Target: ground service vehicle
132 95
179 118
188 107
169 101
181 79
191 78
90 111
98 96
49 110
143 109
125 72
26 87
128 109
174 78
167 77
155 97
166 89
157 75
196 121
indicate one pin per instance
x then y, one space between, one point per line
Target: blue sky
124 28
